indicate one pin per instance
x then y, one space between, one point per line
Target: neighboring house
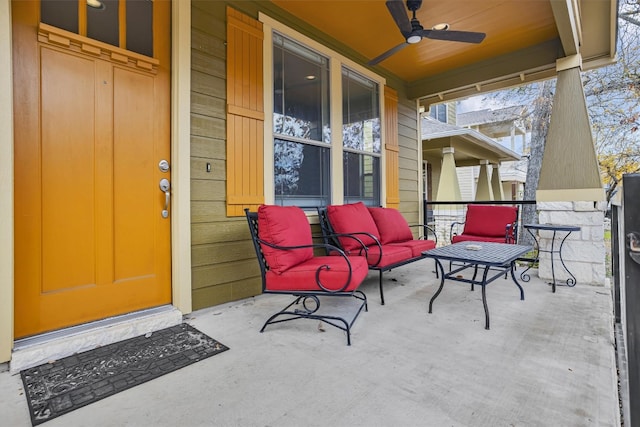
508 127
135 135
475 157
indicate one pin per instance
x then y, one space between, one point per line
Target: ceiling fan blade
387 54
454 36
398 12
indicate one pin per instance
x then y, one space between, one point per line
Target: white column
448 186
484 190
496 183
448 190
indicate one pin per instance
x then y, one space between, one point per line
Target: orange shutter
245 114
391 147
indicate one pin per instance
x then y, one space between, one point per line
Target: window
302 133
102 21
439 112
324 127
360 138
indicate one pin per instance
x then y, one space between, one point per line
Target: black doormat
53 389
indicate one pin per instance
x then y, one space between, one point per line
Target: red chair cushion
352 218
472 238
302 277
391 225
416 246
391 254
489 221
284 226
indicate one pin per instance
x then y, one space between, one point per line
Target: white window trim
336 61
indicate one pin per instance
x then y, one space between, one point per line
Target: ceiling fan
413 32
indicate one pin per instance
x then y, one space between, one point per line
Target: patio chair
487 223
283 242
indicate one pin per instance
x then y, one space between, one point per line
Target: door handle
165 186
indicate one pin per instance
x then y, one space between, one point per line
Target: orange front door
91 126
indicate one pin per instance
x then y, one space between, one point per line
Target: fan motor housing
414 5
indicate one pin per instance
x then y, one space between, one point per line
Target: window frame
336 62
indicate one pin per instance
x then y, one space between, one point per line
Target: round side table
568 229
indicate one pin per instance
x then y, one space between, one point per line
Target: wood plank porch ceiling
524 39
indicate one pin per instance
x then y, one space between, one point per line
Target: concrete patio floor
546 361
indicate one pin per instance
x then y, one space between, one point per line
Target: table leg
536 247
513 276
572 280
553 272
484 297
441 268
475 273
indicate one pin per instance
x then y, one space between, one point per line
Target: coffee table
492 259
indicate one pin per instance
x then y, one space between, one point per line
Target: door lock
163 166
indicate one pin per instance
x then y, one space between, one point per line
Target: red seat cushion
391 254
352 218
284 226
472 238
489 221
302 277
416 246
391 225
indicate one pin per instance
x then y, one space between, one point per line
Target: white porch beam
567 16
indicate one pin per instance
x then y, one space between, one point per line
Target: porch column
484 190
448 186
448 190
570 190
496 183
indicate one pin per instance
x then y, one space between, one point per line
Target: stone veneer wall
583 251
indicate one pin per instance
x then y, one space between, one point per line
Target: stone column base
584 251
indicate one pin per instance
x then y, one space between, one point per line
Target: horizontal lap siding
224 266
409 161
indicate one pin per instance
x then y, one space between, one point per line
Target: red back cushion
352 218
284 226
491 221
391 225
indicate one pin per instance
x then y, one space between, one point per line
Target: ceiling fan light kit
414 32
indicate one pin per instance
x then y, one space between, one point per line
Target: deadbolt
163 166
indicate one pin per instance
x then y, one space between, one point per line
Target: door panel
67 183
136 193
91 124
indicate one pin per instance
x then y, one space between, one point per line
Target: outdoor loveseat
288 265
382 235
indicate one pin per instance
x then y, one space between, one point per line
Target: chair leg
381 291
309 313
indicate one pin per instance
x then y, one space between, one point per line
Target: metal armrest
363 246
455 224
426 229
